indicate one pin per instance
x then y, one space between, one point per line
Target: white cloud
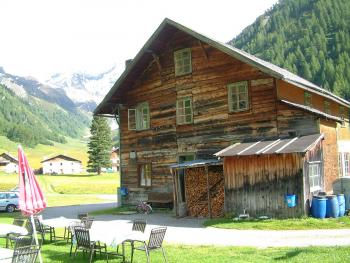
40 37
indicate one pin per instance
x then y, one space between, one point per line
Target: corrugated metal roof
105 107
272 146
196 163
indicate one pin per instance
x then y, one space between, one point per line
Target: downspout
117 119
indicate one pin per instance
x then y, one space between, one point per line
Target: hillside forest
310 38
33 121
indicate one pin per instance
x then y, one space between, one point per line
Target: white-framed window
342 115
344 163
139 118
238 96
307 99
314 176
184 112
145 174
182 62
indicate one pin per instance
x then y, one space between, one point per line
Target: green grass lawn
70 189
59 252
281 224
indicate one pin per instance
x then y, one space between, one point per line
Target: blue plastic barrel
332 206
341 203
124 191
290 200
318 206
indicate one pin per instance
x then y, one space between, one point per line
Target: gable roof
156 42
61 156
7 158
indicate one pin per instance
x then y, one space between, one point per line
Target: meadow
62 190
74 148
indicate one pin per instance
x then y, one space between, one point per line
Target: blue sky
42 37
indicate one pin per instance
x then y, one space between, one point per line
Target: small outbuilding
262 176
8 163
61 164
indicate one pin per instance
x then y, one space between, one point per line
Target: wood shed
198 188
260 174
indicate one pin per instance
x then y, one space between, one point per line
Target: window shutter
132 119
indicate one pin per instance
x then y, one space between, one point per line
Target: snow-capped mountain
29 86
85 89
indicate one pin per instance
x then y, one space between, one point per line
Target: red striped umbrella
31 198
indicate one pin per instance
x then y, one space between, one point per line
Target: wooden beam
156 59
208 191
203 50
175 207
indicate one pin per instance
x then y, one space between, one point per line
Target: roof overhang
312 110
61 156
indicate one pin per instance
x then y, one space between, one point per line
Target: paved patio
191 231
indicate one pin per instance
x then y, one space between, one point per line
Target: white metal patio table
113 238
12 229
59 222
6 255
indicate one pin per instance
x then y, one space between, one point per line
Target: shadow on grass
59 252
290 254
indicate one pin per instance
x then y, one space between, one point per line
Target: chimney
128 62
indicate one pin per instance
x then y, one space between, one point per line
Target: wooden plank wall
214 127
330 154
295 121
259 184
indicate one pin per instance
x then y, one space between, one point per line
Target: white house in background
8 163
61 164
115 160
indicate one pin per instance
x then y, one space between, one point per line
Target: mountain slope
86 90
32 120
23 86
310 38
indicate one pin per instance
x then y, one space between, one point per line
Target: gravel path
191 231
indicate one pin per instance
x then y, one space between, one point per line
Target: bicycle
143 208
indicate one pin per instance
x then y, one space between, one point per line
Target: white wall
60 166
11 168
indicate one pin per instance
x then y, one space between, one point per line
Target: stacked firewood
197 191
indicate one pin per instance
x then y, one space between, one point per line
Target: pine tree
100 144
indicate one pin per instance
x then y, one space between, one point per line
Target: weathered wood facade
258 184
151 79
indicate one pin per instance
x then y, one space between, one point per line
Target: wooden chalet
186 97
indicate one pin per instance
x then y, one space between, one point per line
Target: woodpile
197 191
